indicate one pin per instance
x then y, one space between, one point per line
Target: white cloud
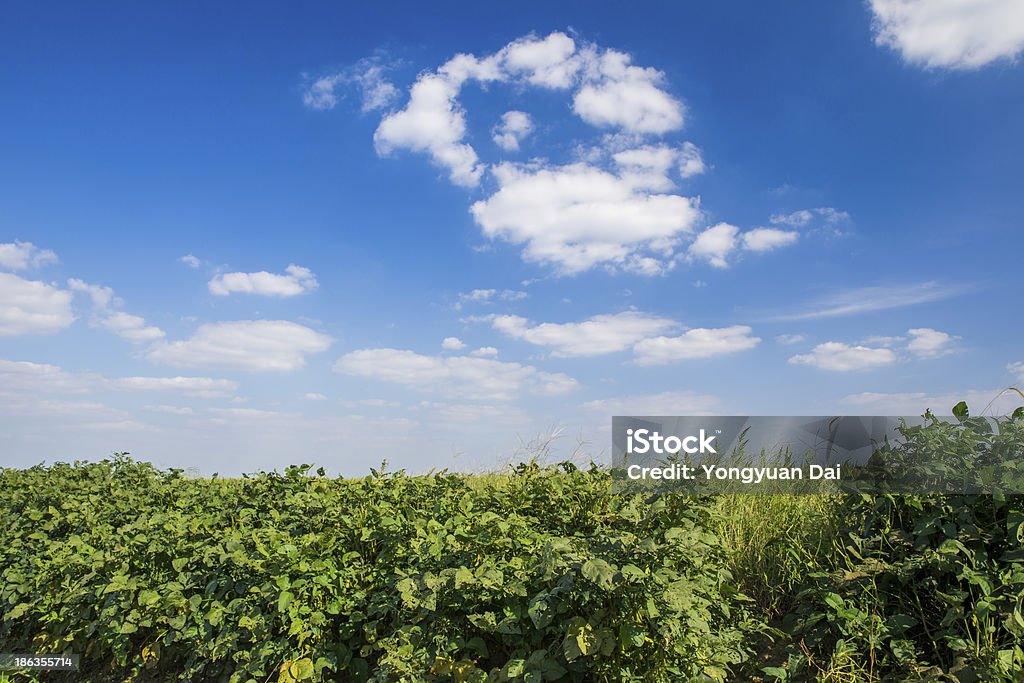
991 401
190 261
200 387
841 357
715 244
954 34
32 307
248 345
618 94
871 299
315 396
377 91
695 343
595 336
101 297
296 280
928 343
766 239
367 74
452 344
434 123
790 339
612 93
26 376
664 403
461 376
647 167
804 217
485 351
577 216
130 327
321 94
1017 368
371 403
510 131
882 340
170 410
796 219
486 296
691 161
21 255
550 62
22 376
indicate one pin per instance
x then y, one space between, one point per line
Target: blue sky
239 237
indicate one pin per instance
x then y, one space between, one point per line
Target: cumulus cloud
715 244
551 62
766 239
434 123
695 343
647 167
620 95
690 160
928 343
130 327
841 357
101 297
22 255
105 314
190 261
953 34
510 131
295 280
577 216
453 344
616 206
461 376
32 307
611 93
247 345
485 352
595 336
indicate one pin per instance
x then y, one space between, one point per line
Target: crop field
541 573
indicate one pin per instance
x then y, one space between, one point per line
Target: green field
541 573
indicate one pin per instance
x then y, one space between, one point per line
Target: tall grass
773 541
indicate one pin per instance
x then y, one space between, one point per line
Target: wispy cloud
368 75
870 299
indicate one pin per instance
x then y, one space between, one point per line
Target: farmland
540 573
